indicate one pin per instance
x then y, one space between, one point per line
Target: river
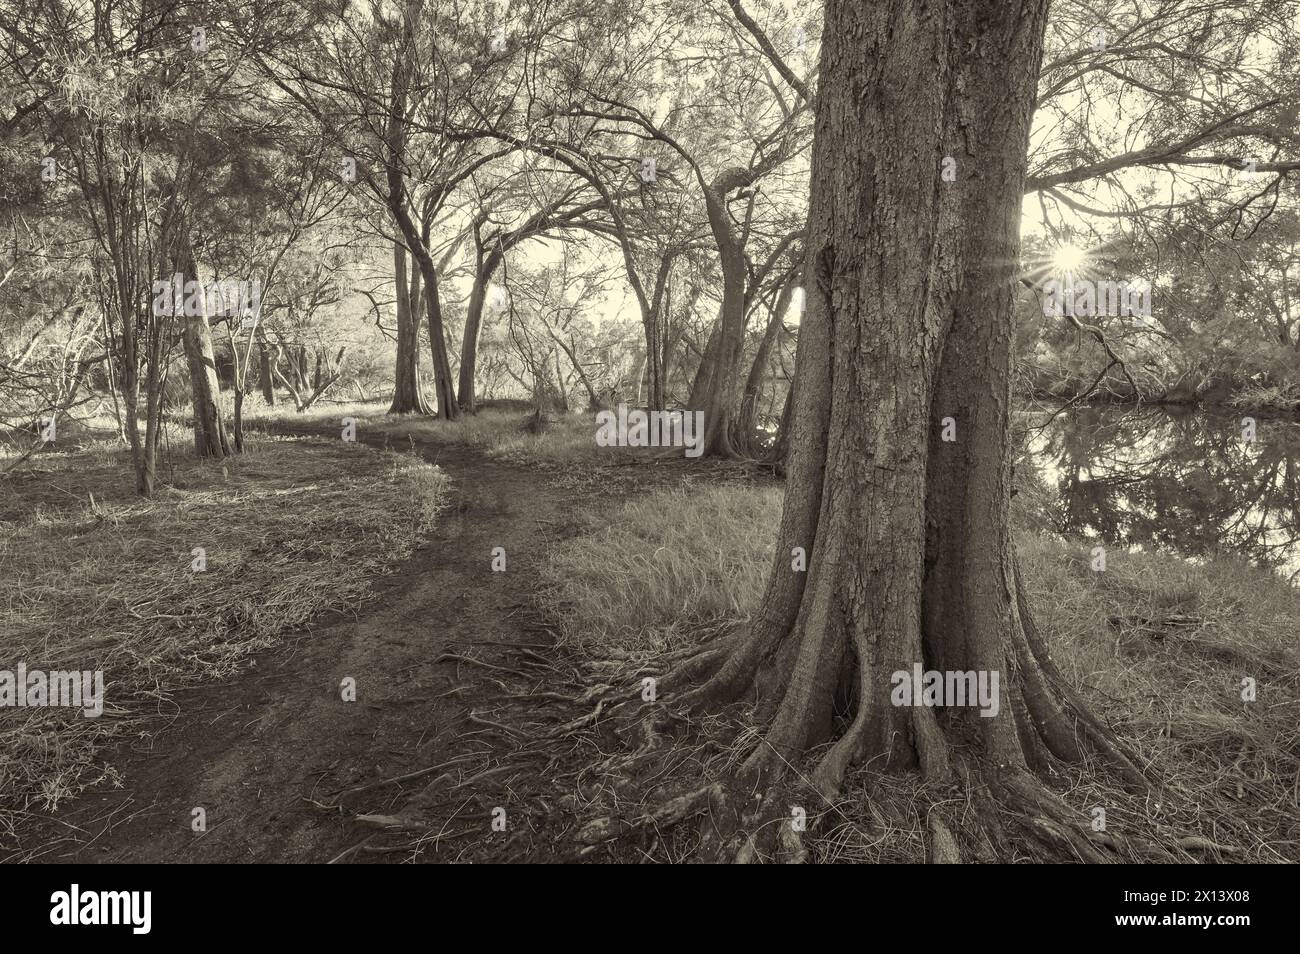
1181 480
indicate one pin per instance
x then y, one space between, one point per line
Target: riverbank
1268 403
1192 663
618 563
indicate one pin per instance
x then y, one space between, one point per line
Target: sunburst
1069 258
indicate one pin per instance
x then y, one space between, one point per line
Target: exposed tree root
1096 735
1196 843
669 813
943 846
779 836
805 670
1062 831
704 784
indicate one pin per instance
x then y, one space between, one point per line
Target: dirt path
267 753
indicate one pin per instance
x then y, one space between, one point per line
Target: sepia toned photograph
650 432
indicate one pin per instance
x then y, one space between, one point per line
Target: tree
490 251
908 329
730 185
210 438
407 395
51 335
273 223
550 320
777 297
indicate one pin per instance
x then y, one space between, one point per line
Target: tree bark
746 420
700 381
210 439
717 383
654 378
485 267
264 374
395 165
909 557
442 386
407 395
466 397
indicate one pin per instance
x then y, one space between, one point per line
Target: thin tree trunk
570 350
641 380
442 381
702 382
560 384
112 383
395 163
653 374
469 348
408 397
718 382
239 420
485 268
210 438
746 419
264 374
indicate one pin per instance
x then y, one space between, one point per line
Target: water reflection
1180 480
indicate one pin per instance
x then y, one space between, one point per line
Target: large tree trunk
407 394
908 321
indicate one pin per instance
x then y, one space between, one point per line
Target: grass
1158 645
500 432
99 579
666 565
1162 646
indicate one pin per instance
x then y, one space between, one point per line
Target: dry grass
500 433
1158 645
98 579
1161 646
666 565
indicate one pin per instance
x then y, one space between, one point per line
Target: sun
1068 258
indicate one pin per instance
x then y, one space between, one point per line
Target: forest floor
481 729
271 754
281 765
